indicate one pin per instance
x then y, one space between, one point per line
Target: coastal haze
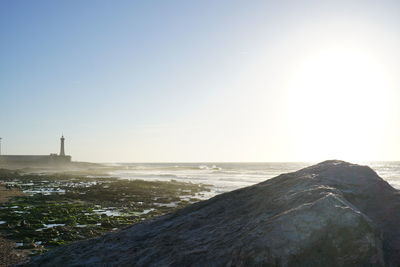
181 81
199 133
225 177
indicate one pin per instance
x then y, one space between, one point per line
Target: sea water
224 177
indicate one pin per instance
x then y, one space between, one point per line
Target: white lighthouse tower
62 151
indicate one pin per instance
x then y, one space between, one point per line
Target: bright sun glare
337 100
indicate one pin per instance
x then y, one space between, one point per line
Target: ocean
226 177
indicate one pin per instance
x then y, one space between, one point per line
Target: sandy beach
7 193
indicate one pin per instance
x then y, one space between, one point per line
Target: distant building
52 159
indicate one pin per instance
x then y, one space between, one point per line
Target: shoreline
39 212
7 193
9 255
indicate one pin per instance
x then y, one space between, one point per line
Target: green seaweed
60 208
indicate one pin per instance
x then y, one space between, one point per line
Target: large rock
331 214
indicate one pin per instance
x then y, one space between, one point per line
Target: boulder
330 214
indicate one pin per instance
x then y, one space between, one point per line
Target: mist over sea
225 177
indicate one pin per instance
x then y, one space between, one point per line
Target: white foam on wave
225 177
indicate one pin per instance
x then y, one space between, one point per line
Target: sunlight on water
230 176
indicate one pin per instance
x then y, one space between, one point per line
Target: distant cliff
330 214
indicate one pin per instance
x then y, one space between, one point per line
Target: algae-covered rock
330 214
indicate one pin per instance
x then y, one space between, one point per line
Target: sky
201 81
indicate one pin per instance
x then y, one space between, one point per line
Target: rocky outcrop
330 214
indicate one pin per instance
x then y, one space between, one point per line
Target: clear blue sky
185 80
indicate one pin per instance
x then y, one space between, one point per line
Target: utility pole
0 146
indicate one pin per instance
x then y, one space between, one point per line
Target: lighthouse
53 159
62 151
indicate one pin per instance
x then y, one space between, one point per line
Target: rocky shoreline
330 214
42 211
8 254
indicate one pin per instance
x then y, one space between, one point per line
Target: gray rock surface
330 214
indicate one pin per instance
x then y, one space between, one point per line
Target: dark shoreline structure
37 160
330 214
